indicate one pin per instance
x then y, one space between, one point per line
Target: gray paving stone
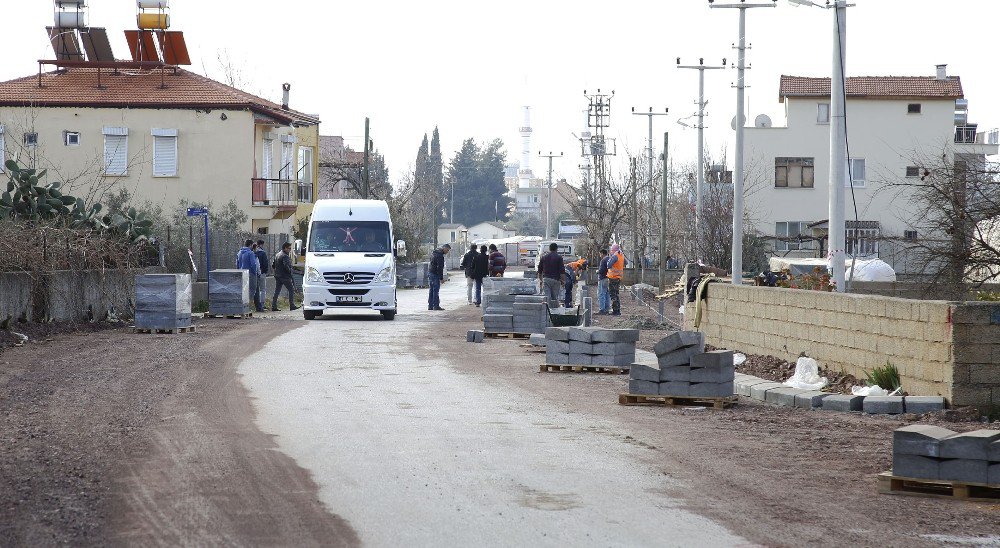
614 348
646 357
993 477
475 336
758 391
843 402
679 357
583 334
973 445
676 388
616 336
678 340
919 439
537 339
580 347
557 333
994 452
643 372
743 387
557 346
714 359
556 358
675 373
883 405
712 374
648 388
711 389
968 470
784 396
580 359
810 399
620 360
915 466
923 404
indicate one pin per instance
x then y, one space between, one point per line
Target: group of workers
554 273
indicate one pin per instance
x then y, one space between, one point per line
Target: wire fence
182 249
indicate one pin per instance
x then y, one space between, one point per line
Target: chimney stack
286 88
942 72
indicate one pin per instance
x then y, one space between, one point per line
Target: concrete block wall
941 348
68 295
15 295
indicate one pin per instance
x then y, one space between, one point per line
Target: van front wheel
389 314
310 314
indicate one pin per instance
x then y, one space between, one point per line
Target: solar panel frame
65 44
97 44
174 47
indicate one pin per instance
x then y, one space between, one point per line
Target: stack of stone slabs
162 301
922 451
530 314
229 292
499 296
591 346
684 369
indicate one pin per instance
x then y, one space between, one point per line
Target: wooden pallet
507 335
533 349
606 369
897 485
246 316
174 331
677 401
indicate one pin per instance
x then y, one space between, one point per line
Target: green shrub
886 377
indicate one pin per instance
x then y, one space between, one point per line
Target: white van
350 264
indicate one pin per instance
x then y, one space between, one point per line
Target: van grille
346 292
340 278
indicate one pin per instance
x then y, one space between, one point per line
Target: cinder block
711 389
676 388
648 388
614 348
915 466
923 404
475 336
919 439
784 396
714 359
969 445
616 336
681 356
583 334
759 391
967 470
537 339
557 334
810 399
883 405
557 346
713 374
643 372
580 359
843 402
993 476
679 339
993 454
620 360
675 373
556 358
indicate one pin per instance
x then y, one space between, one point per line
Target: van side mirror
298 247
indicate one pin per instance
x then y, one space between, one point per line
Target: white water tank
71 3
152 4
70 19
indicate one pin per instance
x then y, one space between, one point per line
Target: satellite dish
735 123
762 121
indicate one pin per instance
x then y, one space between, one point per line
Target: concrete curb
772 392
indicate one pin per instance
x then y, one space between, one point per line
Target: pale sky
469 67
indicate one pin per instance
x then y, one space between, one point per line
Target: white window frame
66 138
118 136
820 117
164 140
304 173
852 173
862 238
267 159
287 162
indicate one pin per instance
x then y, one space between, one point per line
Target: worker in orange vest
572 275
616 271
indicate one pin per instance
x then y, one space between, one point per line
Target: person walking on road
480 270
603 297
262 278
247 260
550 274
498 263
466 267
434 276
616 271
283 277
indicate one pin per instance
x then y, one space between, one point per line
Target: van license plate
349 299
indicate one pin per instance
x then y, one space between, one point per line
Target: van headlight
385 275
313 275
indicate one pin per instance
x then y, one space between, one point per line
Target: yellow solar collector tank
154 21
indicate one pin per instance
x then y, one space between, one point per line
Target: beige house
164 135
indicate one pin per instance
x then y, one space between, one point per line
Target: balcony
977 142
280 193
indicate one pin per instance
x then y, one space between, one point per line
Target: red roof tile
874 87
134 88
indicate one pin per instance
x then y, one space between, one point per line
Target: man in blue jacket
262 278
247 260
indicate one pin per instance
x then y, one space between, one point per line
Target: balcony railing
305 192
970 135
274 192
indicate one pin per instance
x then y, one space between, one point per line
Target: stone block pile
779 394
162 301
229 292
591 346
684 369
530 314
928 452
512 306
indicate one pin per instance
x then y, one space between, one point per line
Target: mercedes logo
348 278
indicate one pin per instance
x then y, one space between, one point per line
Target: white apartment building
894 124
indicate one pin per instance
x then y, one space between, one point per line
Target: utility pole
365 184
740 121
699 190
548 198
663 218
649 149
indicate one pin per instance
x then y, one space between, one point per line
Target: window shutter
164 156
286 161
116 154
267 161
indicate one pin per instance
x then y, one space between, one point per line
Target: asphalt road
410 450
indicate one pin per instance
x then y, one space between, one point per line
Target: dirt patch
39 332
113 437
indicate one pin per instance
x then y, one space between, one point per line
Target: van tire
310 314
388 315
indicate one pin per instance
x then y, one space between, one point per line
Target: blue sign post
203 212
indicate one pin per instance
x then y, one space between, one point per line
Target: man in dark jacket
434 276
246 259
480 270
466 267
550 274
283 277
498 263
262 278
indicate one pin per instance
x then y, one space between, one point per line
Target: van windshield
353 236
